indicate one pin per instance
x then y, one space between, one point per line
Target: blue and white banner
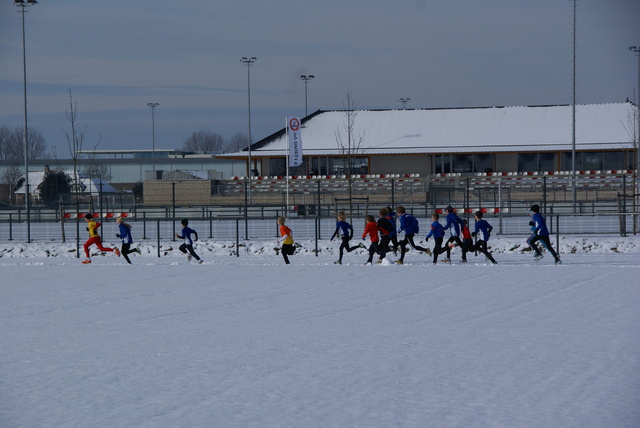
295 141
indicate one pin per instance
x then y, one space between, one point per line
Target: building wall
125 171
188 192
394 164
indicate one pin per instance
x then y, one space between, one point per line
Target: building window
546 162
278 166
592 161
483 162
613 160
359 165
536 162
463 163
566 161
444 164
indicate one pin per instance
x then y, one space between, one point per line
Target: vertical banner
295 141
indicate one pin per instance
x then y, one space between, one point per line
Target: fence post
500 205
158 236
558 234
77 236
173 198
10 227
237 237
64 238
393 193
317 224
621 217
144 225
210 225
544 194
246 210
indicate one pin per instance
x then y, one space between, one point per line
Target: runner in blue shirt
540 233
345 231
485 228
187 246
437 232
453 225
409 225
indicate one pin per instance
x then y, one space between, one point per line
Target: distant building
91 185
460 140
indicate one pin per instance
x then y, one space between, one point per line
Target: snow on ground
249 342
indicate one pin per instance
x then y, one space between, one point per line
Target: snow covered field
249 342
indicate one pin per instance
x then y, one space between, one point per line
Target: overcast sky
116 56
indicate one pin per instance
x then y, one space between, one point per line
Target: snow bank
210 249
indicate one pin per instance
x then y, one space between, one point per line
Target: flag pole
286 119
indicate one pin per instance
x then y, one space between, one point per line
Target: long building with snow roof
460 140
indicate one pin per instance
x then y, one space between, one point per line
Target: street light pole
22 4
404 102
153 136
574 190
249 60
305 78
636 50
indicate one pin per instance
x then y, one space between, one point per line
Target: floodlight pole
305 78
22 4
636 50
573 120
404 102
249 60
153 136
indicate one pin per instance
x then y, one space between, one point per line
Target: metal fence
240 229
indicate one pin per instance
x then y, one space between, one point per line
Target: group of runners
124 233
383 234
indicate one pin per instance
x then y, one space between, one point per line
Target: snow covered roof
89 185
464 130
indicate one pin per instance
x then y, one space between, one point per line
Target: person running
94 238
467 241
385 228
484 227
187 246
540 233
410 226
286 240
453 225
437 232
371 229
124 233
393 234
345 231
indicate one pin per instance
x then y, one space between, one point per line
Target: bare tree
12 144
10 177
236 143
349 144
204 141
98 170
75 140
5 143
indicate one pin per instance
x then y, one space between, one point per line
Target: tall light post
153 136
305 78
636 50
248 61
404 102
574 190
22 4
